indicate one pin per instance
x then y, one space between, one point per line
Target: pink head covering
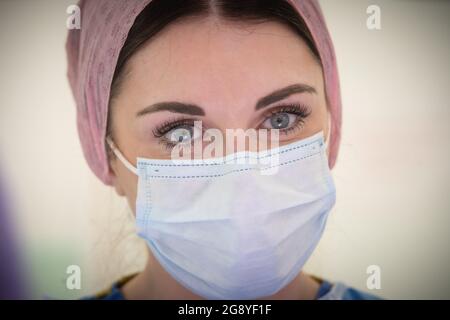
93 50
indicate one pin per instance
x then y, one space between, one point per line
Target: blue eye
281 120
286 118
175 132
182 134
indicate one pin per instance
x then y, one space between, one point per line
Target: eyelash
300 110
169 125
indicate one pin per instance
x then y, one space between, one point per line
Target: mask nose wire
121 157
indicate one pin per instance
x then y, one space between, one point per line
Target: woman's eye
281 120
183 134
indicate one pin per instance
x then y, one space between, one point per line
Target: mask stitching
142 163
233 171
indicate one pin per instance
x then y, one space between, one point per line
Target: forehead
204 59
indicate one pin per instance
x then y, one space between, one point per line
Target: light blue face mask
226 230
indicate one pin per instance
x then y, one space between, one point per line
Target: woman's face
231 76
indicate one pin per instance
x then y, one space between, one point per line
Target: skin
225 69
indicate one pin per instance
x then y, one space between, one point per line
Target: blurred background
392 174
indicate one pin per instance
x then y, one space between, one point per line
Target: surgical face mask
225 230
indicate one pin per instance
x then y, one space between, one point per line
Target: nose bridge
239 139
232 119
233 124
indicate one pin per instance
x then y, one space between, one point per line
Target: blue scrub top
327 291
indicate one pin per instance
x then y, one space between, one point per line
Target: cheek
127 181
131 199
322 117
315 122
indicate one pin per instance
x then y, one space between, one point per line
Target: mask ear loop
121 157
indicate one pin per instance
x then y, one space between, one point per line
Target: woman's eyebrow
192 109
173 106
283 93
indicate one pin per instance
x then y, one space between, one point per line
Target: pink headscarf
92 53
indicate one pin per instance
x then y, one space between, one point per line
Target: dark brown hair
160 13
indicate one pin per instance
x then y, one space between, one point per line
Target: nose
227 141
